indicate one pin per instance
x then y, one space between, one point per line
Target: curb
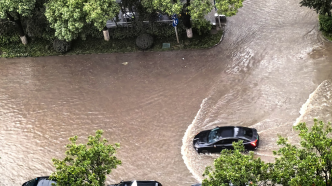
222 37
323 37
62 55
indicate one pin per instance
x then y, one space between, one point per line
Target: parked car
137 183
220 138
39 181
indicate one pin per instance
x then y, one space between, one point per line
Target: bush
123 32
7 39
325 23
162 30
144 41
91 31
201 27
8 32
61 46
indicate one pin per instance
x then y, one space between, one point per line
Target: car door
228 143
219 146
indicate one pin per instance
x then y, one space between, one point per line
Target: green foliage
86 165
90 31
144 41
61 46
99 11
162 30
320 6
201 26
169 7
22 7
68 17
325 23
37 26
6 39
8 32
232 166
7 27
122 33
310 164
36 47
199 8
228 7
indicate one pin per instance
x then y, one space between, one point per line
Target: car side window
220 142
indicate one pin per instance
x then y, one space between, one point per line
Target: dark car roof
146 183
234 132
225 132
139 183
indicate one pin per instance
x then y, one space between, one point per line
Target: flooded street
271 60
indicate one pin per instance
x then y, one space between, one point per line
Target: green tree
310 164
320 6
233 166
86 165
14 10
68 17
168 6
199 8
228 7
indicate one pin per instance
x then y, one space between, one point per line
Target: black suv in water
137 183
220 138
39 181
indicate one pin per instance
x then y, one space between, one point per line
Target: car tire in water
204 152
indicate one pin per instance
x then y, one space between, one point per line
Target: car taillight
254 143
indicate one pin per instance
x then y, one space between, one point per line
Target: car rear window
248 133
245 132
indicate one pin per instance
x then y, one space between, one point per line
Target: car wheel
204 152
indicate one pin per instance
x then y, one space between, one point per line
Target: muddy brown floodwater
262 75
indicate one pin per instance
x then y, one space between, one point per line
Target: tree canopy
320 6
309 164
13 9
68 17
22 7
228 7
199 8
233 166
86 165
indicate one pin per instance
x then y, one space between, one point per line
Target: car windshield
214 135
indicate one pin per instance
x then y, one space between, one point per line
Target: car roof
142 183
146 183
232 132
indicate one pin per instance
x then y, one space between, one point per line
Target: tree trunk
19 28
106 34
189 32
